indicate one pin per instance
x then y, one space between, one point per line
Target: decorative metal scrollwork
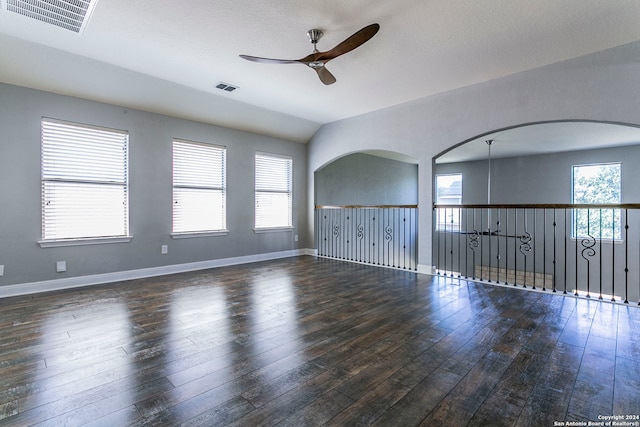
388 234
474 240
525 243
360 232
588 244
336 231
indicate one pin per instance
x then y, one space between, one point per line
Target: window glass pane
597 184
272 210
198 210
76 210
448 192
199 193
273 181
84 181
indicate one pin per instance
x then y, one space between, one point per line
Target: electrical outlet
295 238
1 270
164 249
61 266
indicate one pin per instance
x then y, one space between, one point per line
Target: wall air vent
68 14
226 87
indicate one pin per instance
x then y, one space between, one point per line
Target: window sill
271 229
57 243
189 235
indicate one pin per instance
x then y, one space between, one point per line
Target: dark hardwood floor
311 341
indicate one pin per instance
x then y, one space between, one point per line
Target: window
273 191
199 189
599 183
84 181
448 192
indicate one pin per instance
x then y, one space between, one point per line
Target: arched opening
366 209
550 206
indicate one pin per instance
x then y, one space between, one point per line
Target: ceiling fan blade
325 76
270 60
355 40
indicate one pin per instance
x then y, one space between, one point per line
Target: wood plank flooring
311 341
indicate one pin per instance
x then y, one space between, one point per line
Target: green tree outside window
597 184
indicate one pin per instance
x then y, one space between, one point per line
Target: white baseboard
98 279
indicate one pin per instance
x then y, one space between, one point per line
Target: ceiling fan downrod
314 36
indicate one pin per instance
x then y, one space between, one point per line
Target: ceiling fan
317 60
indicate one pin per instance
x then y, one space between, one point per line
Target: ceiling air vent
226 87
68 14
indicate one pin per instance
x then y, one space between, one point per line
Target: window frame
269 228
51 174
617 213
201 232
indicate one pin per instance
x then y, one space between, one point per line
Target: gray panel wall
361 179
150 192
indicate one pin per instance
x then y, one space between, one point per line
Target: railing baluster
459 243
524 246
600 255
555 259
506 248
379 236
626 256
575 235
466 244
451 245
544 249
498 246
533 251
515 249
413 236
566 258
481 243
368 255
438 235
613 256
489 242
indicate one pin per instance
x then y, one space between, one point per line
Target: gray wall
362 179
541 178
604 86
150 193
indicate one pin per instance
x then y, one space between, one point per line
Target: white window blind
199 189
273 191
84 181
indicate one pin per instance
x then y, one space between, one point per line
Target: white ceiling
166 56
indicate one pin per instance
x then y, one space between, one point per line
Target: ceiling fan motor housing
314 35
